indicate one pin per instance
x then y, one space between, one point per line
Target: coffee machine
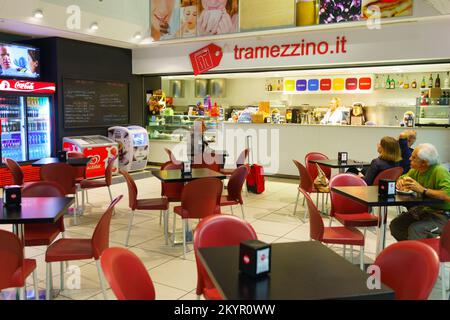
357 114
296 116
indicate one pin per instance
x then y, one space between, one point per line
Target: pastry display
388 9
335 11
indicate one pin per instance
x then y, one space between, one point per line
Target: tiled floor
269 213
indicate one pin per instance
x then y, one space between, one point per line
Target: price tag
206 58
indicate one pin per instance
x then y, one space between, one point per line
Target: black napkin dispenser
255 258
342 157
12 196
387 188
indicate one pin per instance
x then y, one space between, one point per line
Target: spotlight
38 14
94 26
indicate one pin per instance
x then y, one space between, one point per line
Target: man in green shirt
429 179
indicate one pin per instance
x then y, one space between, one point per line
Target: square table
369 196
76 162
299 271
173 176
336 164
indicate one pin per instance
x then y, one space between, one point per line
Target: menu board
89 103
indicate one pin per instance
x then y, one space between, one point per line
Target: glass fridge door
39 129
13 136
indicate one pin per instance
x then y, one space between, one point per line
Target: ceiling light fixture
38 14
94 26
138 36
148 40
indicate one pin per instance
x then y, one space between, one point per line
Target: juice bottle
306 12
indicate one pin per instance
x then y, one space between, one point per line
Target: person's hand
209 21
401 184
411 184
360 175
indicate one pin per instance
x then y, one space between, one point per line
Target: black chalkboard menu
91 103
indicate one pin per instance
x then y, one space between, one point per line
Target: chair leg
166 226
242 210
331 221
361 258
231 207
160 216
100 277
35 284
82 198
61 276
23 292
130 223
48 275
443 282
198 297
304 200
323 202
87 196
174 228
184 239
351 252
345 250
327 198
317 200
296 203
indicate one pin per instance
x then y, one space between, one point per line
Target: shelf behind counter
276 145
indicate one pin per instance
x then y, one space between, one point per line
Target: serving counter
276 145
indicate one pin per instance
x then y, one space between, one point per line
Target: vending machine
133 147
99 148
26 110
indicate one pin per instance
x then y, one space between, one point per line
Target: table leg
381 235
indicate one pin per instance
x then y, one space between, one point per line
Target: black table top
223 153
76 162
300 271
35 210
369 196
336 164
176 175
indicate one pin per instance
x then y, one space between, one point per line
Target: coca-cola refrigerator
26 113
99 148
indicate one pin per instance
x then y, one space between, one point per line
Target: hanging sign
206 58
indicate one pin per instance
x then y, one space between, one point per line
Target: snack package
387 9
336 11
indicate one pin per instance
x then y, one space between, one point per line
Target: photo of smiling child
188 24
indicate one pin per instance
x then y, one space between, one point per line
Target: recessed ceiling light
94 26
38 14
138 36
147 40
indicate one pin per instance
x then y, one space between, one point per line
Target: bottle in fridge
13 133
38 112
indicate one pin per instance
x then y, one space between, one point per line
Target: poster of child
165 19
188 18
217 17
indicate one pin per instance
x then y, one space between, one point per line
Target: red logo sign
325 84
27 86
206 58
351 84
365 83
246 259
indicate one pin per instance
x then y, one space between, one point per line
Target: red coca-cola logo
24 85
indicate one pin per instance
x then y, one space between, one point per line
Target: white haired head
427 152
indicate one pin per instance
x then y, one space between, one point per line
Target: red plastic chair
64 175
80 249
86 184
410 268
172 191
161 204
347 211
218 231
127 275
16 171
172 156
441 246
14 268
200 198
332 235
390 174
239 162
306 183
43 234
80 172
312 168
234 196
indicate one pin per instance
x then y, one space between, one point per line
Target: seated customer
406 140
389 151
429 179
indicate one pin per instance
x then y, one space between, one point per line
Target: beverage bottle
430 81
392 84
376 82
406 84
447 81
438 82
423 85
388 82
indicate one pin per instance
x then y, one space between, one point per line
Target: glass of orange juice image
306 12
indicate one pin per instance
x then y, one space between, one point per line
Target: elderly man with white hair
428 178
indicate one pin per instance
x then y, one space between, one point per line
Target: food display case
175 128
434 111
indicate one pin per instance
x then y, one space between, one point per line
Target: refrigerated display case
25 115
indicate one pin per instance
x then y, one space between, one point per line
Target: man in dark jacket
406 140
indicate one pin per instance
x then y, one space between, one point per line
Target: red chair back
61 173
127 275
343 204
42 189
172 191
100 237
171 156
410 268
316 226
390 174
306 183
132 189
16 171
201 197
236 183
218 231
80 172
444 249
312 167
109 170
242 157
11 258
